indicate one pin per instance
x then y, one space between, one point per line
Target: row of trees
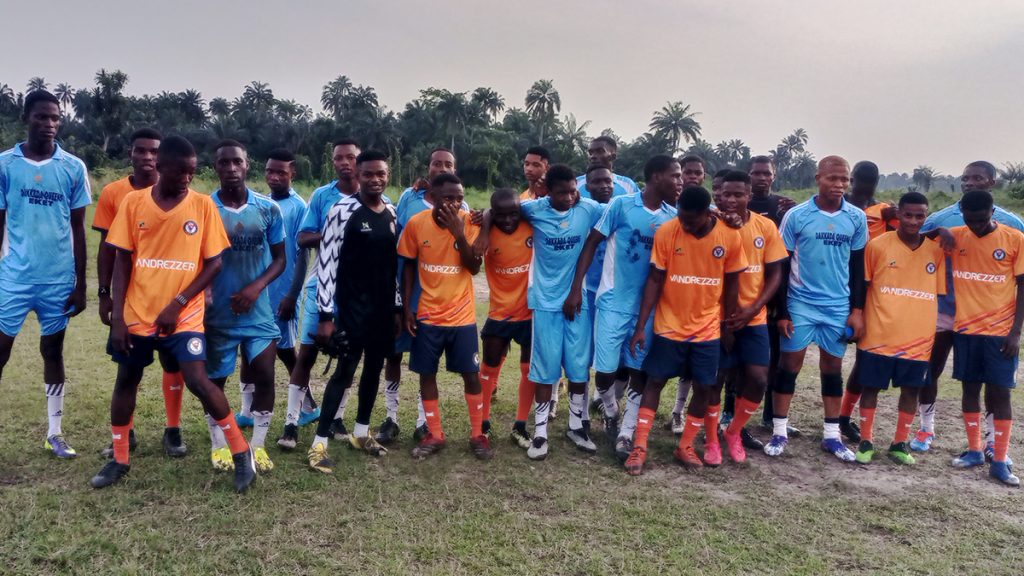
488 135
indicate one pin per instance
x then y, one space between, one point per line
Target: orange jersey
762 245
690 305
902 300
168 250
447 298
110 200
985 274
508 272
876 225
527 195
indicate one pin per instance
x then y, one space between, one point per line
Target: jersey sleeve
105 211
215 238
860 233
1009 218
788 231
940 272
81 190
774 250
597 211
1018 260
328 262
870 259
931 223
735 258
120 232
408 245
275 228
3 187
529 209
310 222
609 220
662 249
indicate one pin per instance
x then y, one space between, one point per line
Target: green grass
571 514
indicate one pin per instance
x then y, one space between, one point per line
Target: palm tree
362 98
924 176
676 123
36 83
489 101
258 95
333 95
453 111
795 142
6 96
65 93
191 103
543 102
219 107
576 134
111 83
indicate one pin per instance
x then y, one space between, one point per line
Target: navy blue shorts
696 361
459 345
183 347
520 332
750 348
978 359
876 371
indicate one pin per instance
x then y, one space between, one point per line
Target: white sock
421 415
361 430
295 397
340 415
54 408
927 412
831 430
629 416
586 402
610 402
248 390
577 407
217 440
319 440
554 391
620 388
682 393
391 398
540 419
780 426
307 403
990 428
260 426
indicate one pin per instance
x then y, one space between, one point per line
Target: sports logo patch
529 242
999 254
759 242
195 346
190 227
476 359
930 268
718 252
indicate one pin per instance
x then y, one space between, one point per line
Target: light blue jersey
621 186
558 239
293 208
253 228
950 217
821 242
315 217
38 198
629 227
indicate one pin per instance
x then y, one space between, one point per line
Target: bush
1015 191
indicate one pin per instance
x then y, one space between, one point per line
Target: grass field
571 514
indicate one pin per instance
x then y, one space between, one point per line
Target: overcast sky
904 83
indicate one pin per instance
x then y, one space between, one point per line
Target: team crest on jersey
563 224
191 227
718 252
38 178
239 228
759 242
365 227
529 242
930 268
999 254
831 227
195 346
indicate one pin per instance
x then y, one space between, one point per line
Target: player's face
600 185
693 174
978 221
177 174
42 122
600 153
668 184
563 195
279 175
861 191
833 179
344 160
450 194
440 163
534 168
231 165
975 178
373 177
761 177
693 222
144 155
911 217
733 197
505 215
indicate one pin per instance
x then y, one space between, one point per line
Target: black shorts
876 371
182 347
459 344
697 361
508 330
978 358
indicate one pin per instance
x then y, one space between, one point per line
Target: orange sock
527 389
488 384
119 434
849 403
174 387
711 425
867 423
693 425
433 414
972 423
1002 439
904 421
475 403
644 421
233 434
744 410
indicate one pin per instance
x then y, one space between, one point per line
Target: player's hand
785 328
785 203
573 304
410 322
451 221
286 309
637 342
481 245
728 339
856 322
740 318
421 183
76 302
731 219
1011 346
106 309
167 320
120 341
946 240
242 302
476 217
324 331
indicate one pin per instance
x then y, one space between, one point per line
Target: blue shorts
750 348
978 359
403 342
46 300
458 343
516 331
181 347
223 345
558 344
288 334
876 371
828 336
612 331
310 320
696 361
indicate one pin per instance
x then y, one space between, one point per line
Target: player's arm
309 239
781 300
328 269
858 294
121 273
772 282
574 301
483 240
730 304
1011 346
76 301
652 293
167 320
286 309
454 223
104 273
242 301
946 240
409 271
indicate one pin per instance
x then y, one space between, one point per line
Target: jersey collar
58 153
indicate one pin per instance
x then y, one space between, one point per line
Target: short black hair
721 173
560 173
607 140
735 176
229 143
281 155
145 133
175 148
503 194
691 158
539 151
658 164
444 178
694 199
976 200
913 198
865 171
762 159
439 149
594 168
371 156
346 142
988 167
36 96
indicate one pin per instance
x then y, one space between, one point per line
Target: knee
785 382
51 350
831 385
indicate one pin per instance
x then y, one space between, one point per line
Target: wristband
180 299
103 291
